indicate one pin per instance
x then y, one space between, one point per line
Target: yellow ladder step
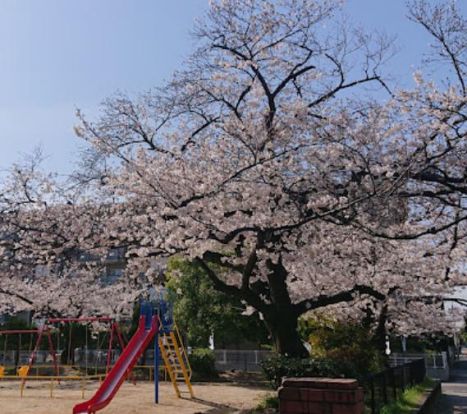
176 361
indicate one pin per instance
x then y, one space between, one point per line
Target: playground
62 383
131 399
49 387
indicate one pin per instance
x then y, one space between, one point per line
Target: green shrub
280 366
203 364
350 343
409 400
268 402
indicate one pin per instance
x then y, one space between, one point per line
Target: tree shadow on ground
449 404
443 406
216 408
454 397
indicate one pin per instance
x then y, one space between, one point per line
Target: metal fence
437 364
96 359
386 386
10 358
240 360
439 360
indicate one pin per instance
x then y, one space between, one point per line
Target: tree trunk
283 326
282 318
280 314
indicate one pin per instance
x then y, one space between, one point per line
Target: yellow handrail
57 377
186 359
182 364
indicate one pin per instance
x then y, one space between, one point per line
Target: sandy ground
131 399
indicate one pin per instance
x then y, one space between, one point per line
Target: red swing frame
45 331
115 333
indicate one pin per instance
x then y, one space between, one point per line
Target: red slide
121 369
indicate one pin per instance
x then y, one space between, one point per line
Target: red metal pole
53 352
33 354
119 336
86 319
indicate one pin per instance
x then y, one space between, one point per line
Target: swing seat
2 371
23 371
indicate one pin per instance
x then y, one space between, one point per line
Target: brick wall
320 396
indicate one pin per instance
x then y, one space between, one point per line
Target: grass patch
268 403
408 400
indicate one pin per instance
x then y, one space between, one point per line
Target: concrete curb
429 401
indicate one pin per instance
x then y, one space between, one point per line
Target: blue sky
57 55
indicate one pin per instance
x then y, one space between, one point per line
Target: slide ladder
176 361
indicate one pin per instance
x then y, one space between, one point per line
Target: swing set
23 370
115 336
155 326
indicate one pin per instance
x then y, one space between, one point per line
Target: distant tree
201 311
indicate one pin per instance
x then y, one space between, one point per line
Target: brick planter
320 396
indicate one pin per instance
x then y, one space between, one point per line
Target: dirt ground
131 399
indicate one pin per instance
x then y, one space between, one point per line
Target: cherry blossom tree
272 156
50 264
